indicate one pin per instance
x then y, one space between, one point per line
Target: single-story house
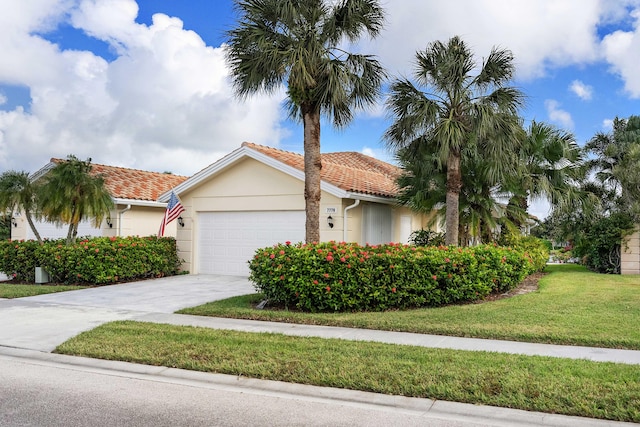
630 259
137 211
254 197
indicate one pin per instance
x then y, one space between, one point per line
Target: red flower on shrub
328 288
343 259
393 290
329 258
434 277
287 243
326 275
97 250
272 256
315 282
281 277
281 252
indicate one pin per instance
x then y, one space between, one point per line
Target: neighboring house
630 260
137 211
254 197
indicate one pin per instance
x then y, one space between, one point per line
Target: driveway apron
45 321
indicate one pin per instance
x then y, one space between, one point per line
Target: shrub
99 260
600 248
424 237
348 277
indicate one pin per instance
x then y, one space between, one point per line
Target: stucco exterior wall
138 221
250 185
630 260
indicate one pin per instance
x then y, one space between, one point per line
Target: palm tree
70 194
457 110
617 161
17 192
548 163
299 43
422 187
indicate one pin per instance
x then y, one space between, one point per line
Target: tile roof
134 184
349 171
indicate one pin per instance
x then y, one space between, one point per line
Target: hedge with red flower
98 260
348 277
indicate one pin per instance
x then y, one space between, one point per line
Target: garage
227 240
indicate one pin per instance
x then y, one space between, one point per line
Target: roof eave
136 202
371 198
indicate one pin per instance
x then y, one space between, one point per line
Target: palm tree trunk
454 185
312 167
33 226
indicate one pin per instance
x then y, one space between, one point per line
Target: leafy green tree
5 226
299 43
18 193
70 193
457 109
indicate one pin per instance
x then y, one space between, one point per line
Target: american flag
174 209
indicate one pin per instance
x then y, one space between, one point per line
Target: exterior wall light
330 221
109 223
14 221
181 221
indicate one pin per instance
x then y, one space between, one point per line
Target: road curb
430 409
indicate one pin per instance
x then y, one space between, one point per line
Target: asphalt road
40 393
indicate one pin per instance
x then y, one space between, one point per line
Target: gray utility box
41 275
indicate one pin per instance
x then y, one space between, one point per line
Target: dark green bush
424 237
348 277
600 247
99 260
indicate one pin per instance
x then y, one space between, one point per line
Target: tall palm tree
548 166
17 192
70 194
300 43
457 109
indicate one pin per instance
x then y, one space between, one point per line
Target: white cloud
622 50
582 90
165 103
558 115
607 124
568 36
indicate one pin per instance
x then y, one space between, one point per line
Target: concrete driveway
45 321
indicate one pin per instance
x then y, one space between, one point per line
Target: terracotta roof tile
134 184
349 171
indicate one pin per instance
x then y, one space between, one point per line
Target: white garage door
227 240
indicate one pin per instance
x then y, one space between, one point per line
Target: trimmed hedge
348 277
97 261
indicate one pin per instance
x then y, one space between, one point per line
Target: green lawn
571 387
9 290
572 306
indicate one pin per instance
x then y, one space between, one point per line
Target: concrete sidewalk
33 325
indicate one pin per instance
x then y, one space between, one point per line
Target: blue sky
143 83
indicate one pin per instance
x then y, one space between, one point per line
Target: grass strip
8 290
572 306
571 387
